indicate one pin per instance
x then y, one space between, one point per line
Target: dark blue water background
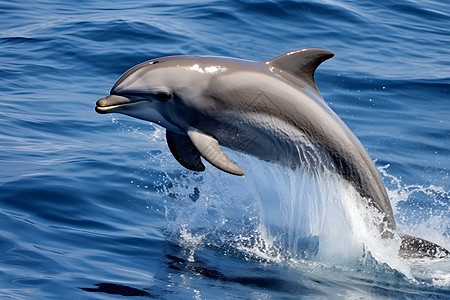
94 205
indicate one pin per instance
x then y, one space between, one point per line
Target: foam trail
274 211
308 214
428 218
278 214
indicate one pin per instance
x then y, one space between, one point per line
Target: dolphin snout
104 105
101 102
112 100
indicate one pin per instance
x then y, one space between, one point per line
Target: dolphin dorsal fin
209 148
301 64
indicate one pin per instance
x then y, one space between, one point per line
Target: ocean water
95 207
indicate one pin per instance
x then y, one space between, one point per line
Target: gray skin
272 110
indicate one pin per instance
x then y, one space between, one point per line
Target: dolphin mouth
110 103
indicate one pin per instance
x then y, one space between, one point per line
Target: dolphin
271 109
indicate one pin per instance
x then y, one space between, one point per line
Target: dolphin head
157 91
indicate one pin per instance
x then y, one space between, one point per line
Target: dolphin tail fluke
414 247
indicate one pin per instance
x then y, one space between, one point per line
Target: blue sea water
95 207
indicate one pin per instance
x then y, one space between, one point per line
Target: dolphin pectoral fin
301 64
414 247
210 150
184 151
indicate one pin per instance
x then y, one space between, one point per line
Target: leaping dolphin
271 109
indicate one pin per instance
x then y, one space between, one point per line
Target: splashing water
294 217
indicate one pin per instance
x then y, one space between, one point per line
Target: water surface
94 205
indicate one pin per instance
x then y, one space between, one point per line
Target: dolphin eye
163 96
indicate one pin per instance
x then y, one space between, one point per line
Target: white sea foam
280 215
